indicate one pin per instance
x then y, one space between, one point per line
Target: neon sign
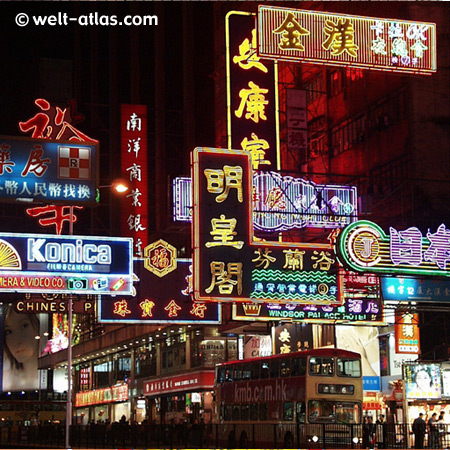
228 264
48 171
159 300
345 40
160 258
364 246
282 203
65 264
414 289
252 94
134 169
407 337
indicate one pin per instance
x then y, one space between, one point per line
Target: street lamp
120 187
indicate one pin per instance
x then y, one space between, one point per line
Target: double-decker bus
297 399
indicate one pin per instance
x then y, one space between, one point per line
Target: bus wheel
243 440
231 440
288 440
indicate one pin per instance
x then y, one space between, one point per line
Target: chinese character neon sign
345 40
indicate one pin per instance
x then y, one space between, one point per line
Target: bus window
275 369
288 411
321 366
285 368
228 411
321 411
298 366
301 412
245 411
255 371
229 374
220 374
263 411
265 371
237 373
246 371
348 367
253 411
236 412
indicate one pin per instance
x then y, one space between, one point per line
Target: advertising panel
65 264
344 40
407 334
362 340
48 171
422 381
415 289
19 349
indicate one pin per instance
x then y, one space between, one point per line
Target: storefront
107 404
180 397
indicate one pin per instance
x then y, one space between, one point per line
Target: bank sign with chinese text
228 264
48 171
65 264
345 40
364 247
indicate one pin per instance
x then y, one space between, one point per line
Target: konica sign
65 264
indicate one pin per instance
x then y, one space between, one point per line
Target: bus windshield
324 411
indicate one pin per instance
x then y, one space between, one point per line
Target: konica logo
39 250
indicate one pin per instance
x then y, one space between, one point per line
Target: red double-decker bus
288 400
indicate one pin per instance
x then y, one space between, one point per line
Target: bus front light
315 438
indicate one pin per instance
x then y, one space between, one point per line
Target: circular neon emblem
363 246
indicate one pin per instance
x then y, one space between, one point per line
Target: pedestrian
419 428
432 431
368 433
440 426
381 432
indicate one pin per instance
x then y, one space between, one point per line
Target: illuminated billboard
415 289
364 247
44 170
283 203
158 299
343 40
229 265
422 381
19 350
65 264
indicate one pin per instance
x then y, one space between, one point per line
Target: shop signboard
112 394
363 246
252 94
65 264
422 381
335 39
407 335
157 300
362 305
229 265
203 379
48 171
